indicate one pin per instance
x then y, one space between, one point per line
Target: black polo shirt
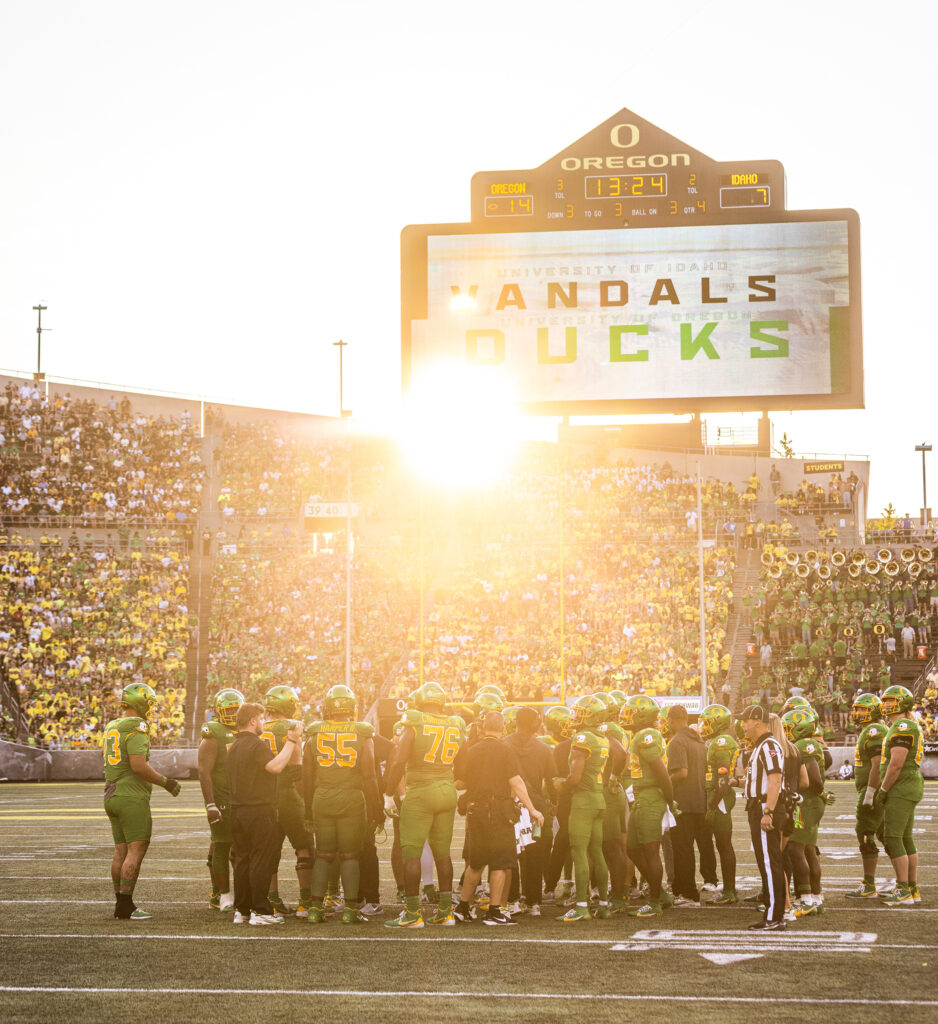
486 769
687 750
250 783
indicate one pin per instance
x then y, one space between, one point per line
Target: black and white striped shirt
767 758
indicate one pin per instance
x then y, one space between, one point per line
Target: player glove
879 801
827 797
869 795
172 786
390 807
213 814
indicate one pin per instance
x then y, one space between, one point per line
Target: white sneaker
534 910
513 909
683 901
709 887
370 909
239 918
225 901
790 915
265 918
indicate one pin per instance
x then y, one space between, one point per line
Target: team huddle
589 795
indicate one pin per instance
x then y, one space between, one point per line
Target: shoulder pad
809 748
312 728
721 741
458 722
580 737
207 732
648 738
413 717
364 730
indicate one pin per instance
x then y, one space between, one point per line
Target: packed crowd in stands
630 591
828 640
78 625
279 616
66 458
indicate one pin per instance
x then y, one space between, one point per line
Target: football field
64 957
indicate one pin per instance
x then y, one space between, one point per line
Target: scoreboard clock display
633 273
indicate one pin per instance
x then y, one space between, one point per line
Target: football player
340 773
217 736
866 715
559 862
281 704
128 781
651 785
899 792
801 851
615 824
426 750
722 754
589 752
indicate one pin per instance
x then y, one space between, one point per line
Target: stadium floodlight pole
925 446
703 623
347 416
39 329
563 675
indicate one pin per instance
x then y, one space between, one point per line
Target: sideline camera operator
252 770
491 775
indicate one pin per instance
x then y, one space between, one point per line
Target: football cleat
865 891
667 900
139 915
279 906
265 919
619 904
575 914
226 903
603 912
302 910
405 920
724 899
214 901
649 909
900 897
446 918
804 909
534 910
916 895
430 894
352 915
497 916
238 918
332 904
316 915
463 912
371 909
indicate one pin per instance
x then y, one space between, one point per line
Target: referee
766 813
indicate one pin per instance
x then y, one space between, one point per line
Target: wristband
207 806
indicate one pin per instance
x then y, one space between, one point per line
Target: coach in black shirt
491 775
687 766
252 770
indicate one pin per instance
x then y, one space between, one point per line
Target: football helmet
556 718
866 708
226 704
140 698
663 725
744 741
484 703
795 702
619 696
798 724
612 709
492 688
896 700
714 719
510 715
282 700
639 712
430 697
588 712
339 700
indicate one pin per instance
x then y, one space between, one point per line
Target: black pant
708 857
256 845
768 850
687 828
368 885
532 865
560 850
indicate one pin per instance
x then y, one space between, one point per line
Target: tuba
838 558
858 558
892 568
854 570
925 554
873 566
811 556
767 558
914 569
824 572
884 555
907 555
791 558
775 570
803 570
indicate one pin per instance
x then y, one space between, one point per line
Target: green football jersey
909 784
647 745
869 745
616 731
338 748
597 753
123 737
275 735
222 737
722 752
812 749
437 739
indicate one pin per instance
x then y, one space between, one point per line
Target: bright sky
208 194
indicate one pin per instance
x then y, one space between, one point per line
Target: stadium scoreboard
633 273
